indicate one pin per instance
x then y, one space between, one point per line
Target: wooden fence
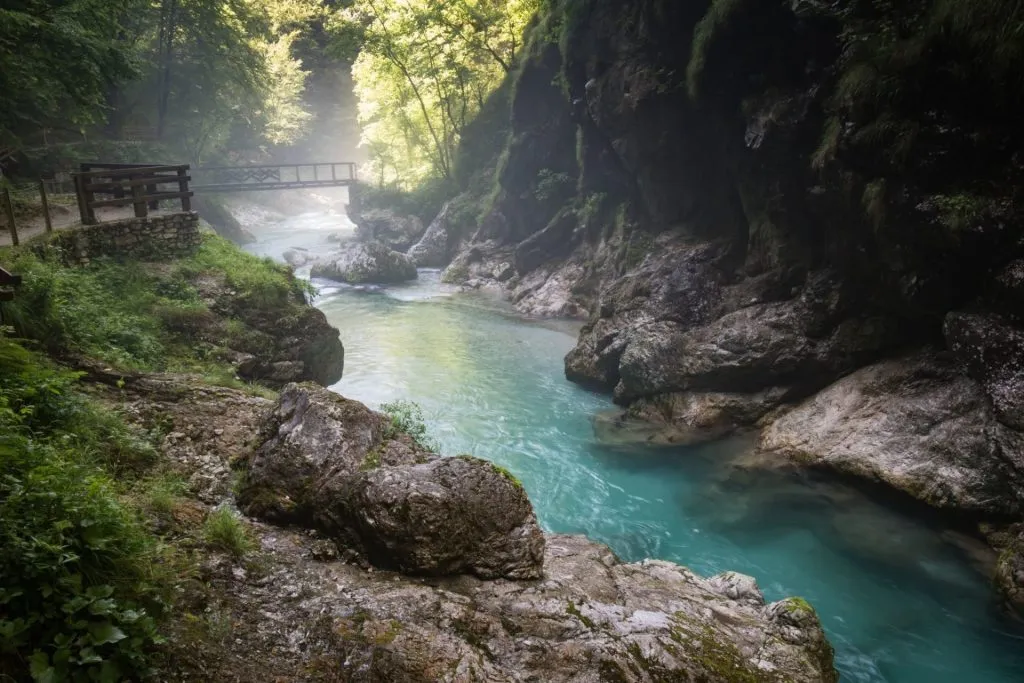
136 185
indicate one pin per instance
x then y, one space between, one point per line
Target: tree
423 72
58 61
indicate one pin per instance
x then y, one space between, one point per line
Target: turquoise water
902 601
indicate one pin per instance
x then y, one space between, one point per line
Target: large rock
446 516
389 228
992 351
331 463
682 419
434 249
289 341
369 262
916 424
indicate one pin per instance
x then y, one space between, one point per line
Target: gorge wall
751 200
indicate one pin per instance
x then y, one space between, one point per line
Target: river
902 599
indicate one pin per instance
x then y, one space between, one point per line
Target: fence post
9 210
186 201
84 210
138 198
46 205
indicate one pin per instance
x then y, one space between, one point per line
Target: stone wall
155 237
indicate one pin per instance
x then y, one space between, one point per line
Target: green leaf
40 669
106 632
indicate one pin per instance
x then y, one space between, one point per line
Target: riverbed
903 599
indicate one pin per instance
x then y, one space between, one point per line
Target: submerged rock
370 262
1009 574
391 229
915 424
434 249
331 463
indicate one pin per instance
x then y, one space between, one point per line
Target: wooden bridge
144 186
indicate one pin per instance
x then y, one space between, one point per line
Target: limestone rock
433 250
331 463
391 229
311 434
447 516
370 262
992 351
916 424
684 418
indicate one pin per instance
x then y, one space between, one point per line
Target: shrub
407 418
225 530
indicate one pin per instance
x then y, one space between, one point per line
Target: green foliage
57 61
225 531
424 201
79 592
407 418
719 14
262 283
423 72
132 314
959 212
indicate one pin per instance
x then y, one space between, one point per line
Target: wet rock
434 249
916 424
1009 573
686 418
447 516
372 262
393 230
748 350
1007 291
992 351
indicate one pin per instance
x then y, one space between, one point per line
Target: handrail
130 184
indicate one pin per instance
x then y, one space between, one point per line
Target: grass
140 316
225 530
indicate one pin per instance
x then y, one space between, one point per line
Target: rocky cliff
748 201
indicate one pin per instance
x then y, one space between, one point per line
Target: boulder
916 424
391 229
365 262
297 257
434 249
327 462
991 349
310 435
447 516
684 418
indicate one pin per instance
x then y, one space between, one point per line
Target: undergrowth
140 316
407 418
84 581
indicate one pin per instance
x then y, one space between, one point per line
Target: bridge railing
135 185
274 176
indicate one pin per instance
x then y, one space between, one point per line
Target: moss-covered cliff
750 200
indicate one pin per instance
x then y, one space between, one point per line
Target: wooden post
9 210
84 198
138 192
186 201
46 206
